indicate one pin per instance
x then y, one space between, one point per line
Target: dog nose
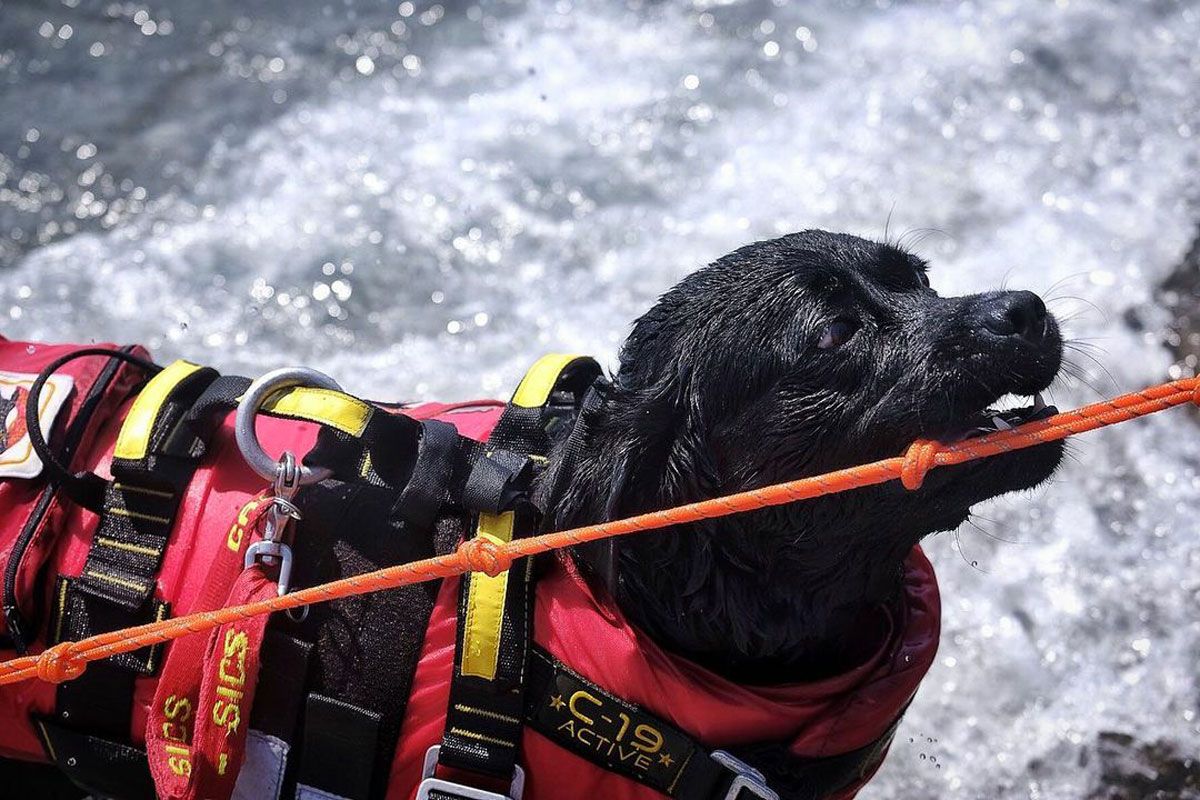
1016 314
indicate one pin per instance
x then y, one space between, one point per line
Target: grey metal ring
259 392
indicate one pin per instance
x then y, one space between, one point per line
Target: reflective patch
261 777
17 458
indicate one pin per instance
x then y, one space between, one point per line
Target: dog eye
837 333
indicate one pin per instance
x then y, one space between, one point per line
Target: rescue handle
68 660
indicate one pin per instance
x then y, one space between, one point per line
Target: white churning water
421 199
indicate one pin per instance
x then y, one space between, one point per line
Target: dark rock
1180 294
1133 770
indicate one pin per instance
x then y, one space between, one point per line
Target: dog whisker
1048 294
958 546
1073 346
971 520
1090 306
1079 375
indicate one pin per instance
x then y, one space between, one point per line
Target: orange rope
68 660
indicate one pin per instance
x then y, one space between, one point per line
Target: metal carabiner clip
286 475
272 550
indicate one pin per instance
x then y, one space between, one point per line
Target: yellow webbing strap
324 406
486 595
134 438
485 605
535 388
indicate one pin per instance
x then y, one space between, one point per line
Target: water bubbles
389 194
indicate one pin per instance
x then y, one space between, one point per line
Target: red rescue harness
611 715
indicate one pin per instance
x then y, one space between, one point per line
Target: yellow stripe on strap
535 388
486 595
325 406
134 439
485 605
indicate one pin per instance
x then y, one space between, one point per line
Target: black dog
787 358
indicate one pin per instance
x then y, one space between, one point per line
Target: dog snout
1015 314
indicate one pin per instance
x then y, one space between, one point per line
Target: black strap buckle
745 777
432 788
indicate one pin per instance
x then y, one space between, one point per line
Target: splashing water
419 199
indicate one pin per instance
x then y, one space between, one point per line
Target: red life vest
828 717
43 534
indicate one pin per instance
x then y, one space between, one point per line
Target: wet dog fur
787 358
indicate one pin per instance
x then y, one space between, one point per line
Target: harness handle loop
85 488
256 396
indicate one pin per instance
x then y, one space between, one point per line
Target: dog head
794 357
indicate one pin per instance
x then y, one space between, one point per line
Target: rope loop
483 555
918 460
60 663
1196 390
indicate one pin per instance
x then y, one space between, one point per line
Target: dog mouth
1002 415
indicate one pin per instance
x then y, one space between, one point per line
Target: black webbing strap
153 463
428 488
485 717
347 528
282 677
624 738
101 766
141 502
340 743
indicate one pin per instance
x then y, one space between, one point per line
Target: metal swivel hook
272 550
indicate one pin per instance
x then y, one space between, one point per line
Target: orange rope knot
483 555
60 663
1196 390
918 460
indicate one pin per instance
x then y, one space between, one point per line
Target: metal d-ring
259 392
